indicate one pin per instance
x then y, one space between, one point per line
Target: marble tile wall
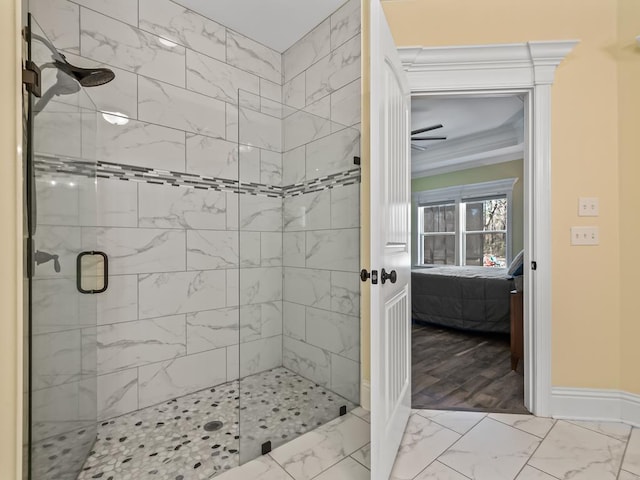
204 284
173 317
321 239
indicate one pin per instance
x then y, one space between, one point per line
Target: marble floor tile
624 475
530 473
362 413
264 468
439 471
311 454
363 455
538 426
459 422
423 441
619 431
495 448
347 469
631 461
571 451
491 451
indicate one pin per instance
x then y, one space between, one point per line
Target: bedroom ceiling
275 23
480 130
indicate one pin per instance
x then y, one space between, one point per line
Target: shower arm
56 55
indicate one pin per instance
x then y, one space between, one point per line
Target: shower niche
221 179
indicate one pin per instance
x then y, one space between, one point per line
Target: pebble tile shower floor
181 439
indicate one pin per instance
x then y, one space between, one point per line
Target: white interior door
390 248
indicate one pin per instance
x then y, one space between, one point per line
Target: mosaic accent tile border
117 171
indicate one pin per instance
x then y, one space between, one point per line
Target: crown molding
475 160
494 187
469 145
499 65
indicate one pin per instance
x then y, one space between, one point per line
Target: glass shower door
299 222
61 212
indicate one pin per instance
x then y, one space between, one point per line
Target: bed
466 298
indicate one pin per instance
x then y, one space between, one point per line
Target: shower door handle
81 267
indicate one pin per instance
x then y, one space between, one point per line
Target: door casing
527 69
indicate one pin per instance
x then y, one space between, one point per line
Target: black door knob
364 276
391 276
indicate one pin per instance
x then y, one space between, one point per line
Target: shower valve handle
44 257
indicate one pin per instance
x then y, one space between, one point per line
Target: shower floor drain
212 426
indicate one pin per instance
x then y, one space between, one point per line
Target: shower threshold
199 435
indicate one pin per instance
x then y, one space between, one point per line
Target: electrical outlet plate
588 207
585 236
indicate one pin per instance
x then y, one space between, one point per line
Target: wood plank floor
457 370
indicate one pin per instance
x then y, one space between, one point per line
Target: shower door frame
29 190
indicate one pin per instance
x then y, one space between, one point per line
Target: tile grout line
457 441
572 422
450 446
348 455
358 461
446 466
518 428
624 454
538 470
449 428
555 422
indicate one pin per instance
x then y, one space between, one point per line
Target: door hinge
31 78
534 266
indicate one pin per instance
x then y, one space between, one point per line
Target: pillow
516 267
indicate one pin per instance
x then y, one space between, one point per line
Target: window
439 234
465 225
485 231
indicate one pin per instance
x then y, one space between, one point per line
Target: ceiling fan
415 138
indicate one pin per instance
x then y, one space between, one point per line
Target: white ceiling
461 116
480 130
275 23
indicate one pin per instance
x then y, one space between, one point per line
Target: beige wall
628 55
10 379
586 280
365 250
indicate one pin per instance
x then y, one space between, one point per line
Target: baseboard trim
365 395
595 405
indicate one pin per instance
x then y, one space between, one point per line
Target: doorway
468 177
526 68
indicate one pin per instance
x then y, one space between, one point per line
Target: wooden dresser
517 334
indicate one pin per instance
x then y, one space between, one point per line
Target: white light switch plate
588 207
585 236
